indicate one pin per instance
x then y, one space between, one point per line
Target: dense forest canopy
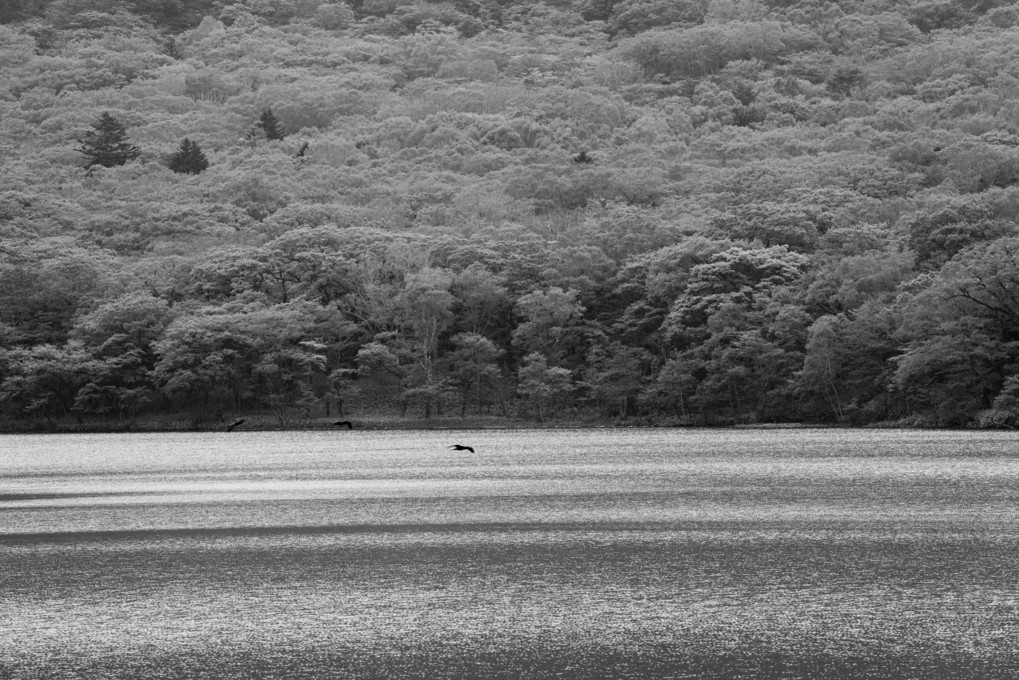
680 211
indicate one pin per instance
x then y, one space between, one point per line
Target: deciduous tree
543 387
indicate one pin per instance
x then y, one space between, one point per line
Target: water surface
579 553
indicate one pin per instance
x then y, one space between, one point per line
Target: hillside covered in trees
678 211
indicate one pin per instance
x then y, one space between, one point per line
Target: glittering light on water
621 554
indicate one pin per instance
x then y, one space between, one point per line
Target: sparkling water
592 553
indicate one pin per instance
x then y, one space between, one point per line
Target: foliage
189 159
270 126
692 211
106 143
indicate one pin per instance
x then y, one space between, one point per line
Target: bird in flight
461 447
349 425
231 426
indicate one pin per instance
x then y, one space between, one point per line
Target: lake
597 553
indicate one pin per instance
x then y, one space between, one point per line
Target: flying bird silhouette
231 426
461 447
350 425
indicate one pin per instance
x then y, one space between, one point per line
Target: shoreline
257 423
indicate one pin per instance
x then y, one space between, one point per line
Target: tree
796 225
334 16
483 298
43 380
270 126
120 334
551 322
106 143
615 376
1005 411
474 368
424 311
743 374
648 284
937 236
287 373
216 358
821 373
132 320
672 388
848 365
852 280
636 16
379 362
700 50
542 386
731 282
45 283
189 159
341 388
843 80
947 378
962 335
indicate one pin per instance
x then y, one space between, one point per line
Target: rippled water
580 553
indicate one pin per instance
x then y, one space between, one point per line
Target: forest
670 212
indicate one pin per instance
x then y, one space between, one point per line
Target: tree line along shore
671 212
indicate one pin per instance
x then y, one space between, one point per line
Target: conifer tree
189 158
271 126
583 157
106 143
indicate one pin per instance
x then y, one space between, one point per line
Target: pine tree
189 158
271 126
583 157
106 143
